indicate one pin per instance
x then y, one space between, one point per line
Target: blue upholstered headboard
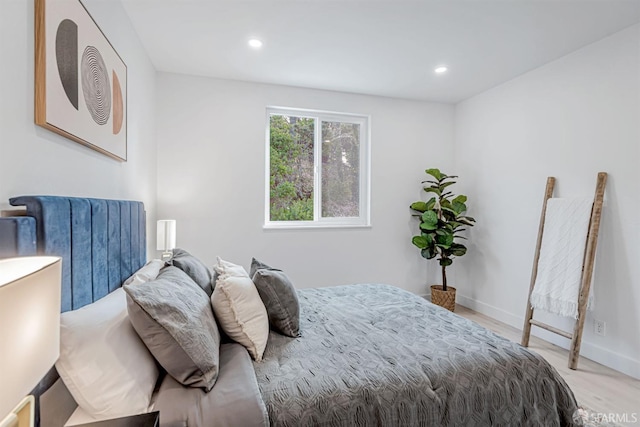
101 242
17 236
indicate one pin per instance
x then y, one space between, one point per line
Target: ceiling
387 48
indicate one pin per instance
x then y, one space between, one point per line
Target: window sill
312 226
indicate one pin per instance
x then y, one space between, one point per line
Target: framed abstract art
80 80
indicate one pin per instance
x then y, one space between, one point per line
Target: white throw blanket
557 286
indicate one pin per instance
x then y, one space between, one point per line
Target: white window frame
364 220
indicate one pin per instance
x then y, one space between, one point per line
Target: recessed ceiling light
441 70
255 43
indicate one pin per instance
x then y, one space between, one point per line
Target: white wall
569 119
211 178
36 161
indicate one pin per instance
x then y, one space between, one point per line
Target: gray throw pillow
173 317
195 268
279 297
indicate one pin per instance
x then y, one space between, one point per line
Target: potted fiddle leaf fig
442 219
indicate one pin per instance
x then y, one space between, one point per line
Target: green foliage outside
442 218
292 168
340 169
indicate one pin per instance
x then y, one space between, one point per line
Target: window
317 169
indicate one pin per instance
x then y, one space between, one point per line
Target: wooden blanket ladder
587 272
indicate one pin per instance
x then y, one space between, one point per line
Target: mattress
376 355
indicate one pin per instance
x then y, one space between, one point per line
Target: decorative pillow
195 268
148 272
279 297
173 317
238 308
103 362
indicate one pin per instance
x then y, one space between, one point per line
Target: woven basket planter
446 299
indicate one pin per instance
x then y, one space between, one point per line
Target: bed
368 355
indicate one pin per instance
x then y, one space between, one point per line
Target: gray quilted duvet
376 355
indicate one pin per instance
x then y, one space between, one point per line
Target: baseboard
606 357
491 311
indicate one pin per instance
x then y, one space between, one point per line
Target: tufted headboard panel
101 242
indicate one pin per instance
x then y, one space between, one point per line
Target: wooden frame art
80 80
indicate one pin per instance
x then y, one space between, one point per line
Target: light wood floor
595 386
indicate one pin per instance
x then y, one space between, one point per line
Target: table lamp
166 237
29 332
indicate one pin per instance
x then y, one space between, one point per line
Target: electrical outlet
600 327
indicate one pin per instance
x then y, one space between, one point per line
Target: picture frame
80 80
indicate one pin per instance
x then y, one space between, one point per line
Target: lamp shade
166 234
29 325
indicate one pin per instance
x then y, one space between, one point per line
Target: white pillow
146 273
103 362
239 309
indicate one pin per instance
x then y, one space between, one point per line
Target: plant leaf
444 240
430 217
434 173
431 203
466 220
445 262
419 206
459 207
460 198
430 239
446 184
420 241
428 253
427 226
449 209
458 249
